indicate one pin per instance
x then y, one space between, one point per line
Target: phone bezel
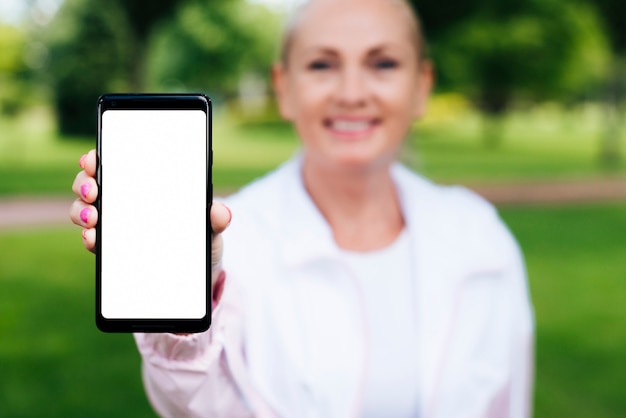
196 101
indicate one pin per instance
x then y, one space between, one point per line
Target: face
352 83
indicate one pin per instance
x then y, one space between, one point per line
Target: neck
361 206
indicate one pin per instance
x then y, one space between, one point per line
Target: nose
352 88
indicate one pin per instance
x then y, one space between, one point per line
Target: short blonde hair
293 22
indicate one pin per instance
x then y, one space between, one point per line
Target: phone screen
153 251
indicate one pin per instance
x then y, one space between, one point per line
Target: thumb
220 219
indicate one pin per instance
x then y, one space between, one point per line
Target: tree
89 55
210 47
142 17
12 67
98 46
498 52
613 14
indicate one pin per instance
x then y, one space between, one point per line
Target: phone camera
113 103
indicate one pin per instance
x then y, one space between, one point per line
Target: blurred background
529 110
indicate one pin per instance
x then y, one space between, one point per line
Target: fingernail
84 234
84 215
81 162
230 214
84 189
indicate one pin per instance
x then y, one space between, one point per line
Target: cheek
307 107
308 101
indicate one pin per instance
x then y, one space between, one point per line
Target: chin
361 162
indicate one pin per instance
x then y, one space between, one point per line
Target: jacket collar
309 235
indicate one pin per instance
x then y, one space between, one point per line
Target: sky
14 11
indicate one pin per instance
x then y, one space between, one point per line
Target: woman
354 287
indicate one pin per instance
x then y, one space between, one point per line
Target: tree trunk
610 150
494 105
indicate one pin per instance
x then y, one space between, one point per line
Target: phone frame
196 101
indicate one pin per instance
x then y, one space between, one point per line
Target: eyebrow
333 51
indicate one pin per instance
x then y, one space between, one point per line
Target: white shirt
387 284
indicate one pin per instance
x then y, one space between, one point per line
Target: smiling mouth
351 127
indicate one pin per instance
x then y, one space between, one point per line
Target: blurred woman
350 286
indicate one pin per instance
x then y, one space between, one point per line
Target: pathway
21 212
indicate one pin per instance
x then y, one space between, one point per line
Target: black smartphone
153 251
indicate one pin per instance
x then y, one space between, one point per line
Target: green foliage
543 50
12 42
99 46
89 55
209 46
16 85
613 13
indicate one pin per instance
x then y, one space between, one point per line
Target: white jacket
288 337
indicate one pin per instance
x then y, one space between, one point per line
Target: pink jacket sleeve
201 375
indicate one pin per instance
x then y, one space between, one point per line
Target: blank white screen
153 225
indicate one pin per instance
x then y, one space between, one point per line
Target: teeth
350 126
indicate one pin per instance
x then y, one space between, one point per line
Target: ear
426 81
280 90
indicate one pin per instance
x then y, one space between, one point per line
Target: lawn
575 258
54 362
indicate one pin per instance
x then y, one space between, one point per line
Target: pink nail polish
218 289
81 162
84 189
84 234
84 215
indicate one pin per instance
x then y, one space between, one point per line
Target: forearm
199 374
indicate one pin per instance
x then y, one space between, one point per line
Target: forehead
353 23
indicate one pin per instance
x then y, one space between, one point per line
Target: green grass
54 362
33 160
575 257
537 144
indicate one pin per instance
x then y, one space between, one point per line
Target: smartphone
153 250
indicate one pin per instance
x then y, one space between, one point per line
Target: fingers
89 239
83 214
85 187
88 163
220 219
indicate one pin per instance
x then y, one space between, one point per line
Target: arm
199 374
186 375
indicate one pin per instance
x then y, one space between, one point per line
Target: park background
530 96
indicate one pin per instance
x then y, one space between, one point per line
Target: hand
85 214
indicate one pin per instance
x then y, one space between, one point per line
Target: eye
385 64
319 65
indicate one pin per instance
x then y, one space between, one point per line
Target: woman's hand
84 213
